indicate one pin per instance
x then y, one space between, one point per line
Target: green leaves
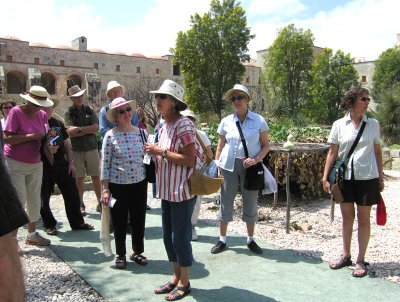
210 55
331 76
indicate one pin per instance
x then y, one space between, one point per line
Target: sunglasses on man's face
127 109
237 98
365 99
160 95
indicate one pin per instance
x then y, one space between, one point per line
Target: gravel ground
48 278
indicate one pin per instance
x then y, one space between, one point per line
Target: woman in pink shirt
175 153
25 128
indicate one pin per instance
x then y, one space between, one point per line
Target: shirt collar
249 115
347 117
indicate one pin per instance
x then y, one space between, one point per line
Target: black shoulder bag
337 172
254 175
150 168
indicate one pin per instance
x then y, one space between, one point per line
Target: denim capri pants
177 230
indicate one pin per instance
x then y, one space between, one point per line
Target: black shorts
361 192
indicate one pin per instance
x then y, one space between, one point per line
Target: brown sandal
341 262
165 289
361 266
139 259
178 293
120 263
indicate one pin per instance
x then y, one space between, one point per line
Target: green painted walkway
234 275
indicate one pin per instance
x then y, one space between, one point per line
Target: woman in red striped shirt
175 153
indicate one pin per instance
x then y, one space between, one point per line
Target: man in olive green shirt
82 126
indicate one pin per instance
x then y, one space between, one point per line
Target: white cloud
281 8
363 28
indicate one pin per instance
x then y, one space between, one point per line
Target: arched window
16 82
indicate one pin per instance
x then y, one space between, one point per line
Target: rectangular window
9 58
62 62
247 80
364 79
176 70
137 69
157 71
36 60
118 68
96 66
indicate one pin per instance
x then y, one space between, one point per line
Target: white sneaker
194 234
37 239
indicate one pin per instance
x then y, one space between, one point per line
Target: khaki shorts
87 163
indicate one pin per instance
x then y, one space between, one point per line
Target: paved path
234 275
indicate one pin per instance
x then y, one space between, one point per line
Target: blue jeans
177 230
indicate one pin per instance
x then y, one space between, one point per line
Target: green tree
331 76
287 71
387 71
388 113
210 54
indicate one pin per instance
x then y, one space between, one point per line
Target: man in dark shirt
60 170
82 126
12 216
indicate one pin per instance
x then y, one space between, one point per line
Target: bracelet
258 158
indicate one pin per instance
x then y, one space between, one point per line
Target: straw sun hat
37 95
118 102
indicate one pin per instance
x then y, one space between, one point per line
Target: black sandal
84 226
179 293
165 289
139 259
341 262
360 266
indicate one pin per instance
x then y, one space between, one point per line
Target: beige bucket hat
238 87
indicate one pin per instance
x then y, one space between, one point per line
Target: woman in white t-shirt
363 179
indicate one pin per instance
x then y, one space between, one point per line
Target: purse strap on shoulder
246 152
353 147
208 159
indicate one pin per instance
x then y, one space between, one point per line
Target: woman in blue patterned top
123 177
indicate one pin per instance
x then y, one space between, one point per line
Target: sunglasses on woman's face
365 99
7 107
237 98
160 95
127 109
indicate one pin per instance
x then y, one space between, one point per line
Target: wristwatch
79 130
164 153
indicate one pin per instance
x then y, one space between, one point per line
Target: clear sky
363 28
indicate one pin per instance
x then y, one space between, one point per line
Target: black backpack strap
353 147
246 152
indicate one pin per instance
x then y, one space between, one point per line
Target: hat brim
77 94
228 94
110 112
123 90
41 103
184 106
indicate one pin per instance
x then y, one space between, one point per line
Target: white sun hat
112 85
173 89
38 95
238 87
189 113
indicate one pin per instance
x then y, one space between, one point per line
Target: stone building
23 64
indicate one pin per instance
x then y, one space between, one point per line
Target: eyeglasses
7 107
237 98
365 99
160 95
127 109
